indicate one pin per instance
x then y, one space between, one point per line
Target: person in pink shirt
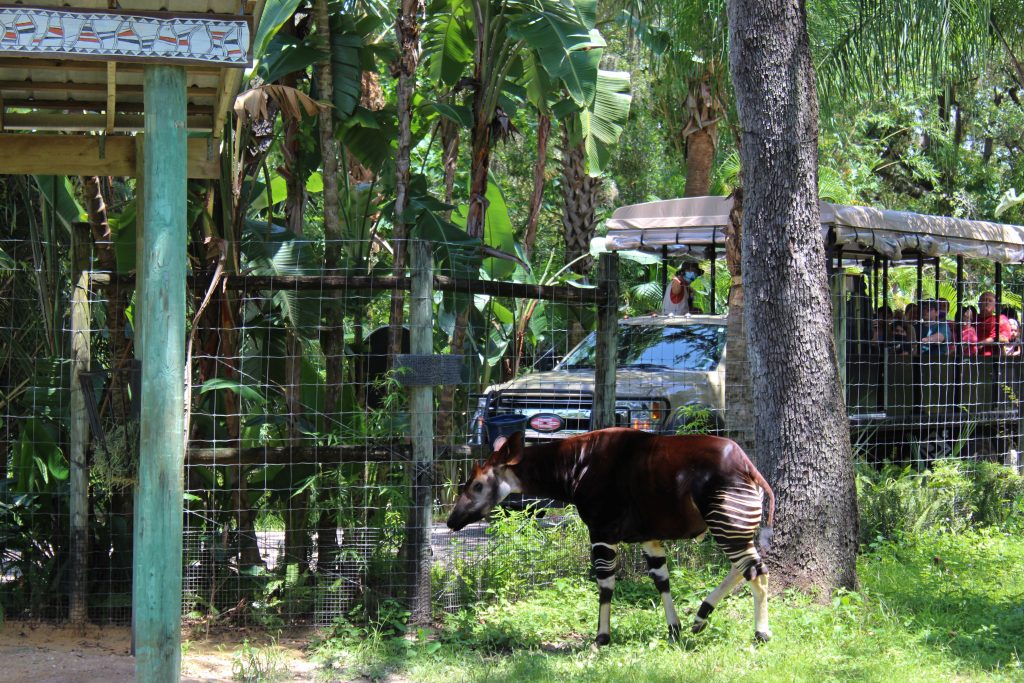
969 331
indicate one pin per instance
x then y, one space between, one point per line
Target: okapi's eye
478 487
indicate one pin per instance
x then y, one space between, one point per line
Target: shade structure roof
76 66
691 225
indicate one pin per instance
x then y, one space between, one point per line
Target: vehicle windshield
693 347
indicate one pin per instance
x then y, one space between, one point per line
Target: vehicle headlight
645 415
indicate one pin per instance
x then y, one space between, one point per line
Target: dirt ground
42 653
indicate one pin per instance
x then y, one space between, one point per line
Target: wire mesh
299 497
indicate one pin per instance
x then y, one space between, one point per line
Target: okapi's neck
547 470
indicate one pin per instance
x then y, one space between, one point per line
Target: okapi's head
489 483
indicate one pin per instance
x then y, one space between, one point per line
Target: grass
937 608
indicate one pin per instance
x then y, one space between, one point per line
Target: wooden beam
194 91
30 63
230 80
29 154
98 105
521 290
321 455
111 95
78 123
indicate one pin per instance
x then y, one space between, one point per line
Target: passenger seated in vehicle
881 326
936 335
903 334
1013 348
890 329
912 318
969 332
679 293
993 330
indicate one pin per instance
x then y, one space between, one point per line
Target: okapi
636 487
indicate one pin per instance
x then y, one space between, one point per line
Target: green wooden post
603 412
158 512
421 413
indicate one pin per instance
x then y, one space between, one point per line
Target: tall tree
799 412
407 32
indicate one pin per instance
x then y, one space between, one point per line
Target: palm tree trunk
579 194
700 156
537 196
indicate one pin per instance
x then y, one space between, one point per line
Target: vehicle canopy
692 225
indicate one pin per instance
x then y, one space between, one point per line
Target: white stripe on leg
759 587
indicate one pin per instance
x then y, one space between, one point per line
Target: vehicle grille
573 407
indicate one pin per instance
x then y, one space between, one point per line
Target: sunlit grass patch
947 607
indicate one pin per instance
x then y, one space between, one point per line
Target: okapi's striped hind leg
657 569
603 558
733 517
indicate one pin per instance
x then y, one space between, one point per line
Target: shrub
952 496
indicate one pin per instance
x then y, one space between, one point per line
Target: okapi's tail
764 537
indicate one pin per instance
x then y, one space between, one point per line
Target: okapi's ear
516 442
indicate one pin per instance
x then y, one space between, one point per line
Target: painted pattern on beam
218 39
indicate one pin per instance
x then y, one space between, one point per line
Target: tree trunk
480 164
449 159
579 192
799 415
537 196
700 155
407 31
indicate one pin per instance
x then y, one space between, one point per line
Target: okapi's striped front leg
657 569
602 556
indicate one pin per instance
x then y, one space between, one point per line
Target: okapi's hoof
673 633
603 639
762 637
698 626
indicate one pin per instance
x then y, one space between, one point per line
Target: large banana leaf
448 41
275 14
59 193
346 66
279 252
602 122
566 48
367 135
287 54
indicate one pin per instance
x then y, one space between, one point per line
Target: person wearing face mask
679 294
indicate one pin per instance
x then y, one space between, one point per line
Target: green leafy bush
952 496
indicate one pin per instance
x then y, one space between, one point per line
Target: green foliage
258 664
950 497
549 551
115 460
938 608
694 419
